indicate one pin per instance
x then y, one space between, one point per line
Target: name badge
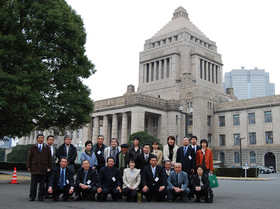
113 178
67 181
156 179
89 181
190 157
99 152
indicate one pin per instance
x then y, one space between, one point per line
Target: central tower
178 51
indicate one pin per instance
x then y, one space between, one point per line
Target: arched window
252 157
222 157
236 157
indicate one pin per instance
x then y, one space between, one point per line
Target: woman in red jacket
204 157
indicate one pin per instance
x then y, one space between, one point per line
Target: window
209 120
222 121
209 139
155 122
268 137
252 138
236 120
252 157
190 120
222 140
251 118
78 134
222 157
176 119
146 122
268 117
236 157
236 139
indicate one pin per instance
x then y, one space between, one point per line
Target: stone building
180 66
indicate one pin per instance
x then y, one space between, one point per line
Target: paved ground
230 195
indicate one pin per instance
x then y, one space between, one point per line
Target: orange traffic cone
14 179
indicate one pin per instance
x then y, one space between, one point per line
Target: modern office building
249 84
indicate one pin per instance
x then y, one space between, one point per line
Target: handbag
213 181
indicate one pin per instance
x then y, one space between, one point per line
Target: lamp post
181 108
79 145
240 158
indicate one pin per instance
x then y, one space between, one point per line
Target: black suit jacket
140 161
91 177
72 153
106 175
148 180
55 177
188 162
197 148
204 179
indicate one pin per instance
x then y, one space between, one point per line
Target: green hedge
236 172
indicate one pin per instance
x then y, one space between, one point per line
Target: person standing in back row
68 150
38 162
98 149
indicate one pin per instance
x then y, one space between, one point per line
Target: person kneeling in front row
61 181
109 181
177 184
153 181
201 184
85 182
131 181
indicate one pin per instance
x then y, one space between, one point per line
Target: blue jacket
183 180
92 159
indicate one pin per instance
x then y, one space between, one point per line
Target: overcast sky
246 32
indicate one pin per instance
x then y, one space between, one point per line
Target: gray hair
178 164
67 136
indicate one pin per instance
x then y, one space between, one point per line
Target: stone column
165 68
95 130
137 120
162 69
159 69
155 71
144 73
105 128
150 72
115 126
124 138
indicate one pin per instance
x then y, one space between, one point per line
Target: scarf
171 151
123 161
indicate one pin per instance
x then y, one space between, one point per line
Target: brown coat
38 162
208 158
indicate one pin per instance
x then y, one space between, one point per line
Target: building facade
249 84
180 66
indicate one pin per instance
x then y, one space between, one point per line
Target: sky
246 33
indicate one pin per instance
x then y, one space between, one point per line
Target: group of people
121 171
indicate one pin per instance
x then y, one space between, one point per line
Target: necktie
61 182
177 179
167 173
147 158
40 148
85 177
154 173
185 151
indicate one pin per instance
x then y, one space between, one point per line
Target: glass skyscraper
249 84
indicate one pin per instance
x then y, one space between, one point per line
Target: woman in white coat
131 181
170 150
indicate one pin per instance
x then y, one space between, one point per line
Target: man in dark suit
67 149
109 181
61 181
186 156
50 141
153 181
144 158
98 150
122 159
38 162
194 145
85 181
177 184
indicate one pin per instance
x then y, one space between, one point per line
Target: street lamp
181 108
79 146
240 157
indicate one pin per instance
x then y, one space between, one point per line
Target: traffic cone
14 179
